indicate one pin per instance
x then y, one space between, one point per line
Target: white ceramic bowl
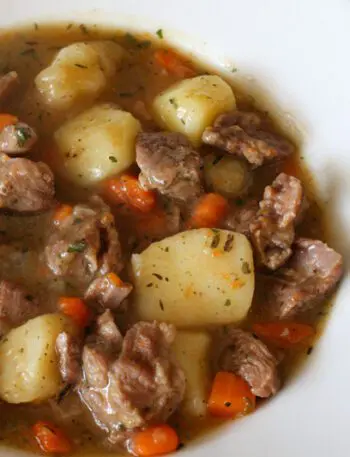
297 52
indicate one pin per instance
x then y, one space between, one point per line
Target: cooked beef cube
308 277
84 244
107 333
108 290
241 134
25 186
273 230
144 385
17 306
243 354
169 164
69 355
239 218
18 138
8 84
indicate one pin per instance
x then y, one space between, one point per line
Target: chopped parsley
174 102
23 134
161 305
133 41
227 302
79 65
69 26
227 404
78 246
310 349
246 268
217 159
113 159
234 70
239 202
158 276
84 29
229 242
160 34
216 240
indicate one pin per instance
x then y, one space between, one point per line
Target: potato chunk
195 278
79 72
97 144
192 105
28 361
192 353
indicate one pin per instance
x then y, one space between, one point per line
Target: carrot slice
7 119
155 440
173 63
51 439
209 212
230 396
61 213
127 189
284 334
76 309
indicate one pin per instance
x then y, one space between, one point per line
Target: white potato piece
191 349
195 278
226 175
192 105
28 361
80 72
97 144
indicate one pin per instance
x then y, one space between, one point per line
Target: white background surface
298 53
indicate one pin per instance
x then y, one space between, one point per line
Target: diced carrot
284 334
61 213
154 440
209 212
151 225
126 189
75 308
230 396
51 439
173 63
7 119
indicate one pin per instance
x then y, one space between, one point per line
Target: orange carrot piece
7 119
284 334
76 309
154 440
126 189
230 396
209 212
173 63
51 439
61 213
114 279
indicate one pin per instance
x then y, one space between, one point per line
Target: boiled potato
192 353
226 175
195 278
192 105
28 361
97 144
79 72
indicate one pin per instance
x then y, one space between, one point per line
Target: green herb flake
227 404
77 220
160 34
166 249
161 304
23 135
79 65
310 349
150 284
217 159
84 29
113 159
144 44
229 242
174 102
227 302
216 240
69 26
246 268
158 276
234 70
239 202
78 246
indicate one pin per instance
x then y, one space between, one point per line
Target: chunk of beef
107 333
69 356
169 164
16 306
273 230
25 186
18 138
240 218
240 133
84 244
243 354
8 84
108 290
144 385
309 276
